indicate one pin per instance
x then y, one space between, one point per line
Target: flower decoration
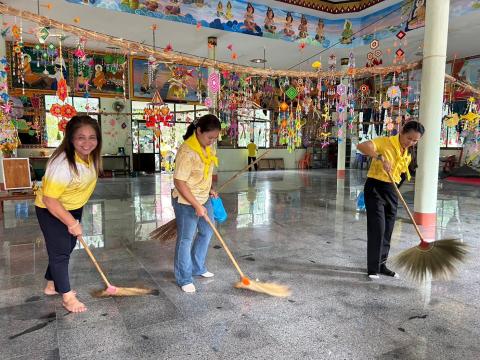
394 92
341 89
68 111
214 82
56 110
62 89
62 125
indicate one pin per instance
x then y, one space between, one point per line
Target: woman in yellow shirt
191 199
389 154
69 181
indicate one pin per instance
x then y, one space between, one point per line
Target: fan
118 106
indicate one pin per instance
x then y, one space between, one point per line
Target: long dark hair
413 126
205 123
67 144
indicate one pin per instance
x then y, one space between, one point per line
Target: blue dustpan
219 212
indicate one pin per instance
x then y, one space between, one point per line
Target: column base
340 174
425 219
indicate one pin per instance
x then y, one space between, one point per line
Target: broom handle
242 171
90 254
406 207
224 246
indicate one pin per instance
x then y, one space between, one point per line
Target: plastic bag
361 202
219 212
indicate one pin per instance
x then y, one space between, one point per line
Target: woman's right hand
75 229
201 211
387 166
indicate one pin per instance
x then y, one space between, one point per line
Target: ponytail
205 123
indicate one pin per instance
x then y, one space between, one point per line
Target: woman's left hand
213 193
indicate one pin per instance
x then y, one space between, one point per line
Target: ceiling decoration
332 7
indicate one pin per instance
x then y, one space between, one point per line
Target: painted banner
262 20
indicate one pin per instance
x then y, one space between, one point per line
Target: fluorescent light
258 61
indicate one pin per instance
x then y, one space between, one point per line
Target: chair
304 163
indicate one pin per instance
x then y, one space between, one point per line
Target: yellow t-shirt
189 168
62 183
252 149
390 149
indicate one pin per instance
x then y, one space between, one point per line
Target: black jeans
60 244
381 202
250 160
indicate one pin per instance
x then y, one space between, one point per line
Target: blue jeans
193 238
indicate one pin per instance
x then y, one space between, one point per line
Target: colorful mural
174 82
100 74
261 20
42 67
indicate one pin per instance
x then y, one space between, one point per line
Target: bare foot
72 304
50 289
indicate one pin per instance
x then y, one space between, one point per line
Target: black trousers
250 160
381 203
60 244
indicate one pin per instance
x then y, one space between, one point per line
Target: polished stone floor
300 229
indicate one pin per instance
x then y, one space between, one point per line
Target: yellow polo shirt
390 149
252 150
60 182
189 168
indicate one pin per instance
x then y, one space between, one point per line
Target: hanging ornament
42 35
214 82
291 92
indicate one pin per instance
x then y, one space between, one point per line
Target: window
254 124
81 104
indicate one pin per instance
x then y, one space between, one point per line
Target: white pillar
431 100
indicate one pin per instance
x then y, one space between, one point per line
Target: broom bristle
166 232
439 259
266 288
124 291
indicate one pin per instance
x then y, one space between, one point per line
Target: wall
236 159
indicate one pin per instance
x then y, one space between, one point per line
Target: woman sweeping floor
69 181
191 200
389 154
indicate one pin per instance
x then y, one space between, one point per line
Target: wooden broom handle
242 171
224 246
405 206
90 254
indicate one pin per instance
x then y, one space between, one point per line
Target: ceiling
279 54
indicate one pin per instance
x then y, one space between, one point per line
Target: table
271 164
126 163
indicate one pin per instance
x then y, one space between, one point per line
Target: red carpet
464 180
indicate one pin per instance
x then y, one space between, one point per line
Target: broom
168 231
245 283
439 258
113 290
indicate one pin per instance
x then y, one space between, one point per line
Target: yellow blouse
189 167
62 183
390 149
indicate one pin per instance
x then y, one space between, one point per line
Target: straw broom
245 283
439 258
168 231
114 290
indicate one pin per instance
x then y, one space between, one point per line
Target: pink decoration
208 102
214 82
